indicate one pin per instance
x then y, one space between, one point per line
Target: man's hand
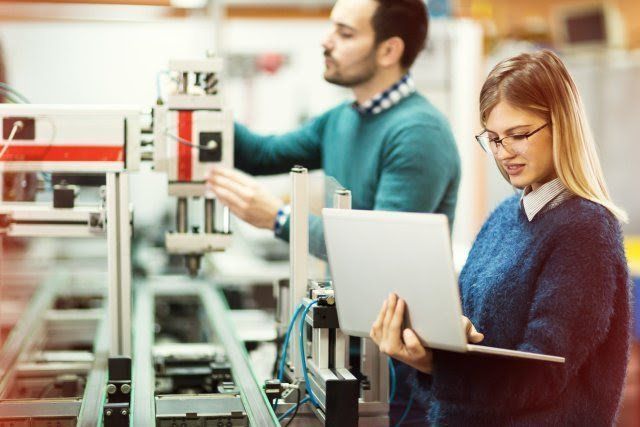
245 197
402 345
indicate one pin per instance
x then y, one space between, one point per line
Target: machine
75 357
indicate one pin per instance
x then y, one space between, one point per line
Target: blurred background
111 52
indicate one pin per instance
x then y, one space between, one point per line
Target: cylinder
182 215
342 199
185 83
226 220
209 216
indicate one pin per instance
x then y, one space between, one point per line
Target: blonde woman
547 272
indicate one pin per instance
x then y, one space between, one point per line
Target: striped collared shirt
388 98
545 198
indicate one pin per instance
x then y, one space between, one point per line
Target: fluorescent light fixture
188 4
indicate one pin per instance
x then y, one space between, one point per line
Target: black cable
295 412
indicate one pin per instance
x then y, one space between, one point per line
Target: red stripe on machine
63 153
184 149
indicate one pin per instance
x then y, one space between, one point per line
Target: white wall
81 54
111 54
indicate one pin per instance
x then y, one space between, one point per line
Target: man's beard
364 74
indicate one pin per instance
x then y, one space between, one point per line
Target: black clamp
117 410
64 195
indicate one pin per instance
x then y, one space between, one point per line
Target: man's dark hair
407 19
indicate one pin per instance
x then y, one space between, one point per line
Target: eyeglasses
514 144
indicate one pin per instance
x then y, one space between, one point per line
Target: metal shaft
298 249
185 83
182 218
342 199
209 216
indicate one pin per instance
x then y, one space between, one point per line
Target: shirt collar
387 98
534 201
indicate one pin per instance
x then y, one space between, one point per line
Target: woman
546 274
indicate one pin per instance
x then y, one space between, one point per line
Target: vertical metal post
182 215
341 200
374 366
209 216
119 264
298 249
226 218
184 83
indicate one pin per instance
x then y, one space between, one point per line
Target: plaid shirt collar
388 98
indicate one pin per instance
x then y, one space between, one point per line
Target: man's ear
390 51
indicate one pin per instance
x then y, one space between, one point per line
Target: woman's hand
473 336
402 345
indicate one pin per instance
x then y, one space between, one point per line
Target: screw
124 412
126 388
108 412
111 388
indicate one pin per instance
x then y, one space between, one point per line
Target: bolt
126 388
111 388
124 412
108 412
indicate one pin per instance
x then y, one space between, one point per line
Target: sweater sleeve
569 316
416 172
273 154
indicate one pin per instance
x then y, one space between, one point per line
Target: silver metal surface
209 215
91 410
30 219
119 264
255 401
143 375
202 405
182 215
22 332
298 250
375 366
192 262
59 408
342 199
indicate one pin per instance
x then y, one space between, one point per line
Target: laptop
374 253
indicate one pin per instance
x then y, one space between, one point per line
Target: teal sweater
402 159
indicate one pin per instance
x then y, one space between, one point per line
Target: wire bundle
12 95
285 345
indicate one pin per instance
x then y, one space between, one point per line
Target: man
390 147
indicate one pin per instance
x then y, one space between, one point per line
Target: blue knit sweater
558 285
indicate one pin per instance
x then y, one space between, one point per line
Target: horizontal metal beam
255 401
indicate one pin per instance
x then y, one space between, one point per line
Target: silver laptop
374 253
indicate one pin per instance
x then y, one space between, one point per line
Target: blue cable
392 375
285 344
293 408
307 384
406 411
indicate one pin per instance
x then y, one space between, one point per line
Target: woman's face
527 160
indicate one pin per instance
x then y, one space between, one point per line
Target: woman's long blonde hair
539 82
